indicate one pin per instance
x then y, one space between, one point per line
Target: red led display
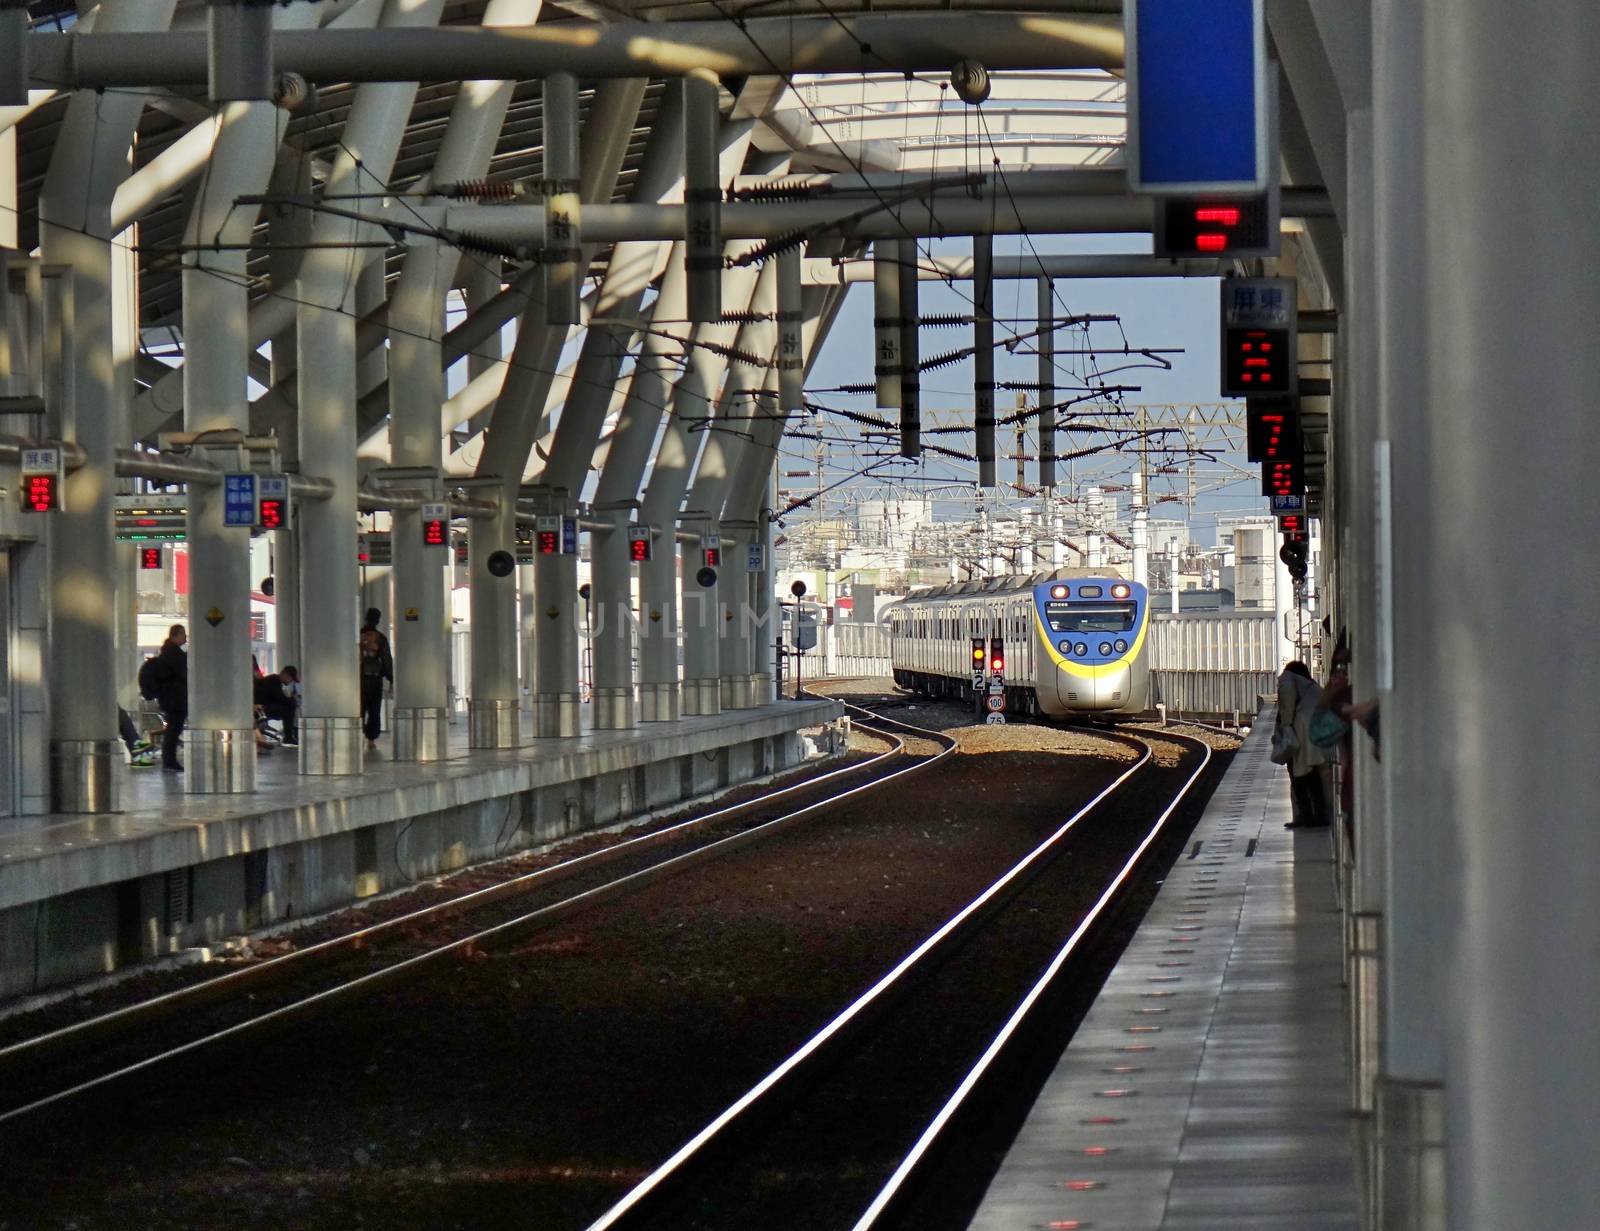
1194 226
1285 477
434 532
549 542
711 557
1258 360
149 557
271 517
41 493
638 550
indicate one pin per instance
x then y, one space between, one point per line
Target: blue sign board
569 536
1198 112
239 507
1288 505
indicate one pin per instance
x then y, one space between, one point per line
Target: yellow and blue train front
1092 632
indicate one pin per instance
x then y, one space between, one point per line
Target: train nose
1105 691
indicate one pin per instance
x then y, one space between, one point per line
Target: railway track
48 1071
751 1165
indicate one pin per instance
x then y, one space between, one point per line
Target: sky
1155 312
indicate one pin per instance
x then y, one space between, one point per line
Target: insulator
744 317
780 190
868 387
767 249
733 352
482 190
489 245
944 360
943 320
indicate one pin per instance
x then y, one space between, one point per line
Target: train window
1101 618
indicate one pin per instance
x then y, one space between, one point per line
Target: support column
220 741
557 611
983 356
288 231
331 740
1507 103
88 161
886 360
660 697
493 712
421 618
1409 1099
1046 345
735 665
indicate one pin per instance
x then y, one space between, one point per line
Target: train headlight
1105 647
1066 647
1120 591
1122 646
1059 591
1081 648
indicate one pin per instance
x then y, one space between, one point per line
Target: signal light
997 656
41 493
149 558
978 653
638 544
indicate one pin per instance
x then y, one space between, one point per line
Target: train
1075 641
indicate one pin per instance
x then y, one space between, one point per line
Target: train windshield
1101 618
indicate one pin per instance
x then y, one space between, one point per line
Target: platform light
150 558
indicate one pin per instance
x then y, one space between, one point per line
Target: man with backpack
171 673
377 670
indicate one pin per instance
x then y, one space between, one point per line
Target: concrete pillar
557 611
660 699
564 269
220 743
89 159
331 740
1508 104
886 358
421 616
493 713
702 195
288 231
1409 1099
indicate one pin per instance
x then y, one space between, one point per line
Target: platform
80 895
1208 1087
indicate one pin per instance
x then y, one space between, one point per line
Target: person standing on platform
172 684
1298 697
373 661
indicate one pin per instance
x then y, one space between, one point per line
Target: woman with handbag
1298 697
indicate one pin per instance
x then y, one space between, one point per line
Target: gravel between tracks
531 1087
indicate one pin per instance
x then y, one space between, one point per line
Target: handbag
1327 729
1285 743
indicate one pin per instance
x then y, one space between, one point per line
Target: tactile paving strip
1217 1042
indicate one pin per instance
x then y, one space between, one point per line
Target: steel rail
264 974
909 1169
511 929
850 1019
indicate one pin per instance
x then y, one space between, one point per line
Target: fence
1213 662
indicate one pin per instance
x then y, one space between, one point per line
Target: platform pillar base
495 724
702 697
659 703
613 709
421 733
219 762
86 775
556 714
331 746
